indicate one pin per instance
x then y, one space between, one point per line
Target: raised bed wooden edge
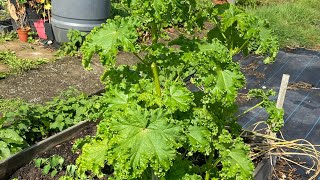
13 163
264 169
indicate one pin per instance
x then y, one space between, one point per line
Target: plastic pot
23 34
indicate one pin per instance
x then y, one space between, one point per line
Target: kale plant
154 126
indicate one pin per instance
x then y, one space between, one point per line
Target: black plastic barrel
82 15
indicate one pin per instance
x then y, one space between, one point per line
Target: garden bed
64 149
149 104
61 150
11 164
29 171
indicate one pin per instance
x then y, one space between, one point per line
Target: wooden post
280 101
282 90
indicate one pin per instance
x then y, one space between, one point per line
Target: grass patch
17 65
296 22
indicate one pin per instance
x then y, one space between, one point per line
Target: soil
300 85
4 68
251 69
219 1
242 98
30 172
40 85
27 50
283 170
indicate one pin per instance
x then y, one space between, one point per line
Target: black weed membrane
302 101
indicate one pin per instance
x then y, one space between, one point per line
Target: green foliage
117 33
243 32
154 126
275 119
72 47
8 36
246 2
4 14
17 65
71 174
295 22
142 138
22 1
70 108
54 164
78 144
51 165
259 3
34 122
2 3
90 160
155 15
234 160
7 105
31 37
10 142
71 170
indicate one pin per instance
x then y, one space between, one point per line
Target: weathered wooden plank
283 90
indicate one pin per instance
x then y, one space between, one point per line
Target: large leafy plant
171 115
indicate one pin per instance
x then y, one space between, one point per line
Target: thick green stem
207 175
140 59
240 49
210 165
250 109
156 78
217 24
216 162
154 33
153 176
231 39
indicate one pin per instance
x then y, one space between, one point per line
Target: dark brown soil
251 69
300 85
284 170
40 85
30 172
242 98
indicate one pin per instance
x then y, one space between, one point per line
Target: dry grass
286 150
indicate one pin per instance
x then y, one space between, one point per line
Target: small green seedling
71 170
51 165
